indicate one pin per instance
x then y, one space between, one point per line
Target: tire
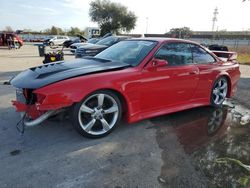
97 115
219 92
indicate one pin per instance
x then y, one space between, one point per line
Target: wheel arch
228 78
123 99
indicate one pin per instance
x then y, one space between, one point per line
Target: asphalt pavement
175 150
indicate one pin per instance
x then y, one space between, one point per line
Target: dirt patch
23 58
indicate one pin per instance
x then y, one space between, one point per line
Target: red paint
147 91
31 110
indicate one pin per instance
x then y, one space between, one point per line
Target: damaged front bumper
30 115
35 108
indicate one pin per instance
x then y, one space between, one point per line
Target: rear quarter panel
209 73
233 71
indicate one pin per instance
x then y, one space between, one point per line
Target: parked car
46 41
134 79
16 40
79 39
58 40
92 50
67 43
74 46
217 47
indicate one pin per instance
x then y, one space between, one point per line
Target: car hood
93 47
40 76
79 44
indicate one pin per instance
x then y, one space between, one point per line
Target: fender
227 76
67 92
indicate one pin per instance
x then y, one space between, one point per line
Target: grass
244 59
243 54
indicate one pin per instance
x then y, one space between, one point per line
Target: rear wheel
219 92
97 115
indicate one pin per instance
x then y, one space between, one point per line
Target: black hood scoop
40 76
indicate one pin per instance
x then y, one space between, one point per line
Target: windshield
93 40
131 51
107 41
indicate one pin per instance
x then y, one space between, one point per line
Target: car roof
163 39
117 36
123 36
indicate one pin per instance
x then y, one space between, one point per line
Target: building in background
91 32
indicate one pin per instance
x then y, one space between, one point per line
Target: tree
183 32
8 29
47 31
111 17
54 30
74 31
60 31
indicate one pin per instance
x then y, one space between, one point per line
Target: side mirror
156 63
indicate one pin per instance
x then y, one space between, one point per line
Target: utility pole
146 25
214 17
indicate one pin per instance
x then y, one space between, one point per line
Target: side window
200 56
175 53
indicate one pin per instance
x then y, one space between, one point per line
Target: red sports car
136 79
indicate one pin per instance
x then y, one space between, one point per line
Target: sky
159 16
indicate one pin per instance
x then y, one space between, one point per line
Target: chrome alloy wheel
98 114
220 91
215 121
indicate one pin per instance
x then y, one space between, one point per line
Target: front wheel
219 92
97 115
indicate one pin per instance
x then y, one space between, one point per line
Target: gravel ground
243 91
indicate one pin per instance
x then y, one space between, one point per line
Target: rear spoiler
226 56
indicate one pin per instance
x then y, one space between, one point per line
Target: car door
172 84
60 40
208 69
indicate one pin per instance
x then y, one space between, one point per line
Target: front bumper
41 103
